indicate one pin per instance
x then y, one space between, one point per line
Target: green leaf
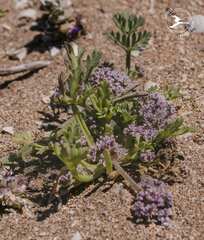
174 129
23 138
172 93
2 12
26 151
92 62
128 37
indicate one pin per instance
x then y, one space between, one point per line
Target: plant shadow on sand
53 35
42 175
42 191
6 83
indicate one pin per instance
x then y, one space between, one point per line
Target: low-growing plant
128 37
108 121
110 124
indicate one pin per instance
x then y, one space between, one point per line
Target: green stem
91 167
84 178
109 165
83 126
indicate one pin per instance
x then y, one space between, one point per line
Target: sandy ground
104 214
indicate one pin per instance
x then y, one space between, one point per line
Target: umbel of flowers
153 203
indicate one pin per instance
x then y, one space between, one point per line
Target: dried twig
132 184
130 89
128 96
24 67
152 7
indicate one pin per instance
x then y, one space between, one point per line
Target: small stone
46 99
65 3
76 236
28 14
150 84
118 188
18 54
201 76
89 36
186 136
42 234
9 130
61 3
201 100
184 77
152 7
38 123
20 4
54 51
6 27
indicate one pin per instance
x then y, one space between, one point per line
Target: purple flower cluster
154 203
10 187
54 98
117 81
83 141
65 178
156 111
91 122
106 142
140 131
74 31
147 156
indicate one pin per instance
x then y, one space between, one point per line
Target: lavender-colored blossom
153 203
92 154
106 142
147 133
91 122
65 178
156 111
73 32
117 81
54 98
82 141
147 156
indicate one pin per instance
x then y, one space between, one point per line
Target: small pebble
20 4
65 3
54 51
46 99
18 54
28 14
201 76
76 236
6 27
9 130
